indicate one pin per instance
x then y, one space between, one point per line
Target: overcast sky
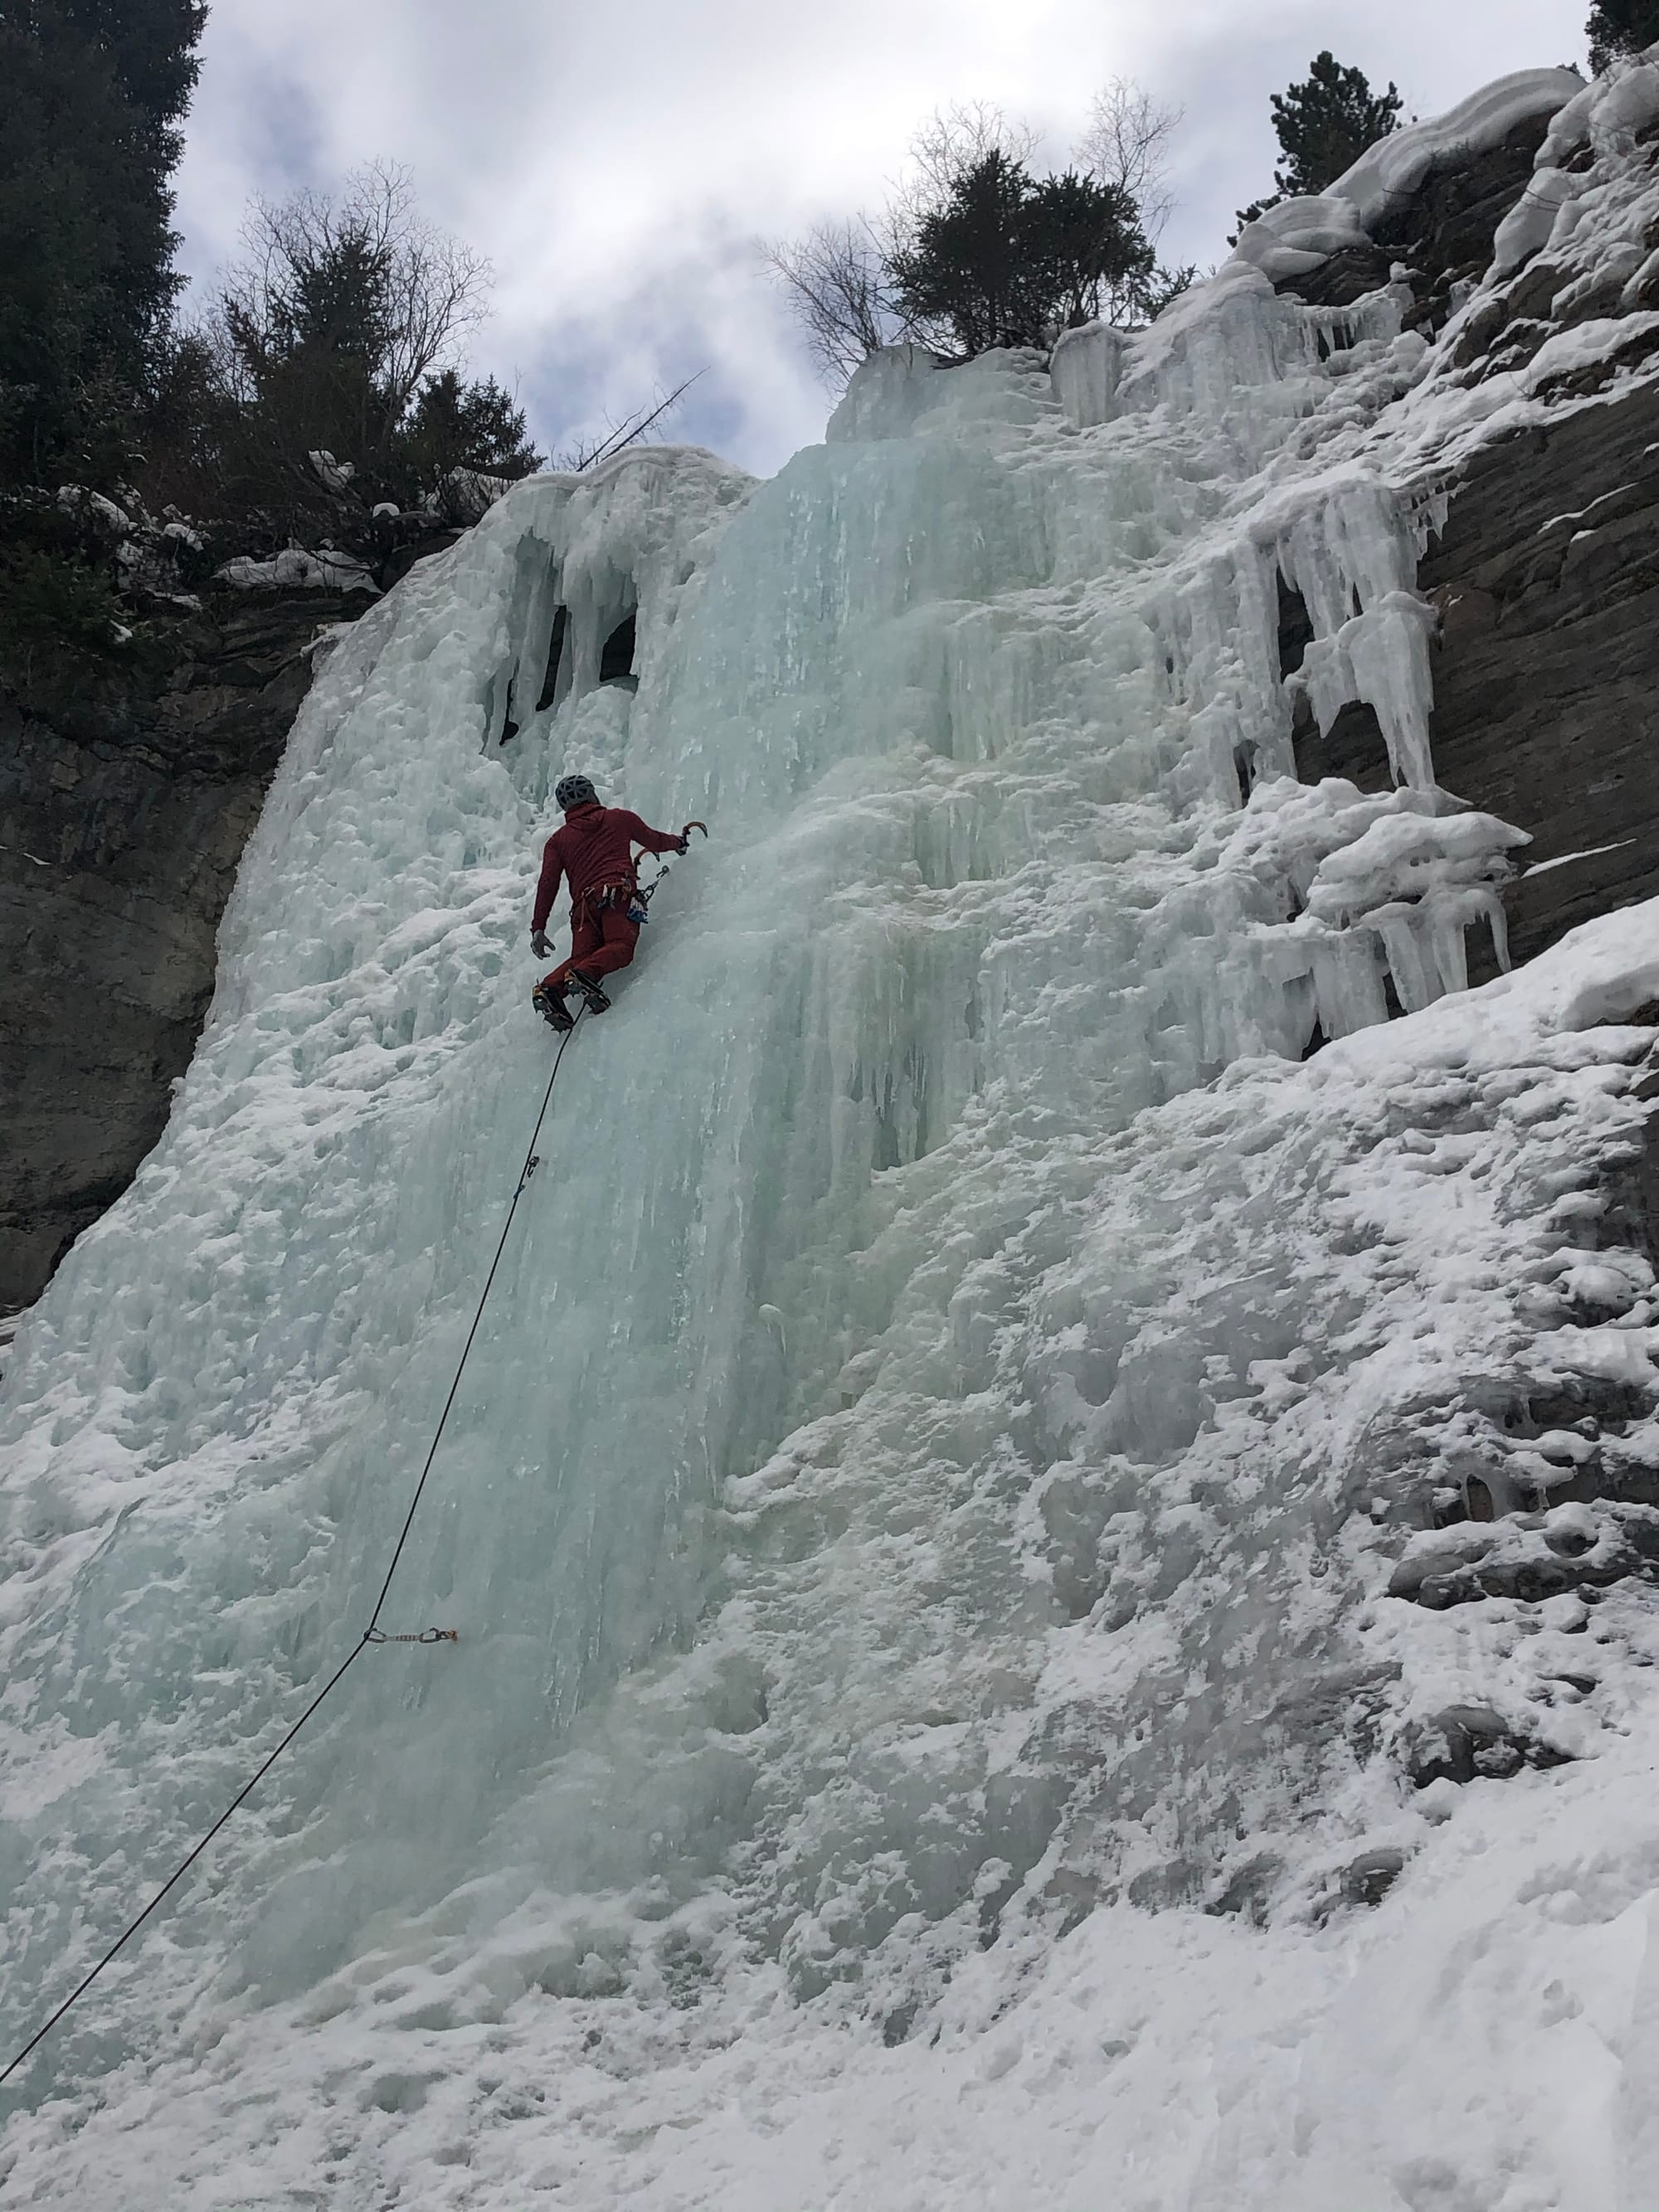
617 161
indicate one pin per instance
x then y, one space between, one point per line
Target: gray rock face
125 800
1546 576
1547 579
1546 667
1443 232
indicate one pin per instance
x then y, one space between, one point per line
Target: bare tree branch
1128 143
587 452
838 290
953 141
439 288
435 289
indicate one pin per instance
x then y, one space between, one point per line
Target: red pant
600 942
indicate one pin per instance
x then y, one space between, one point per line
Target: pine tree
456 425
95 92
1084 240
1006 258
1323 125
962 271
308 358
1618 27
1326 123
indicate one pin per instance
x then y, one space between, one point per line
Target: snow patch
294 569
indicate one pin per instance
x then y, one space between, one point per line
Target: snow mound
296 570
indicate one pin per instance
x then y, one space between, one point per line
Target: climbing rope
531 1162
373 1634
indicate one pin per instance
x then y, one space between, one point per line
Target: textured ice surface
959 1391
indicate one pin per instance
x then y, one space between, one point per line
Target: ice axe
639 905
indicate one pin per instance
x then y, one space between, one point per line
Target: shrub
1008 257
57 598
1618 27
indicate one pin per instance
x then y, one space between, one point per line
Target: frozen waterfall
955 1374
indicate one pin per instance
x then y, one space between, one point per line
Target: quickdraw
421 1635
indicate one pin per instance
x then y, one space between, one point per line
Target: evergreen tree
331 339
184 428
1618 27
1323 125
309 359
151 46
456 425
1005 258
1085 238
962 271
93 92
338 333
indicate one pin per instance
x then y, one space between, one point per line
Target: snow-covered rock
1293 238
332 474
1528 227
1607 115
295 569
467 495
1391 170
94 508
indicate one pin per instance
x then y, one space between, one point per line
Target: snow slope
931 1724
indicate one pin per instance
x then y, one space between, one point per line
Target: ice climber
595 850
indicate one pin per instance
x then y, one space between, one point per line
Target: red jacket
596 846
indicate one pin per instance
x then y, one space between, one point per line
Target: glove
538 944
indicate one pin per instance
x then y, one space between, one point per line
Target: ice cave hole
548 696
617 655
1295 629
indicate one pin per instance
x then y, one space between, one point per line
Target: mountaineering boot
548 1002
592 996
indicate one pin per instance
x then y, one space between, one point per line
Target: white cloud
616 163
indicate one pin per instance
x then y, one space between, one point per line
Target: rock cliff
1546 571
125 799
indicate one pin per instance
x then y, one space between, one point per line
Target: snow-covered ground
931 1726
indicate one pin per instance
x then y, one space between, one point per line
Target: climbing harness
600 898
373 1634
